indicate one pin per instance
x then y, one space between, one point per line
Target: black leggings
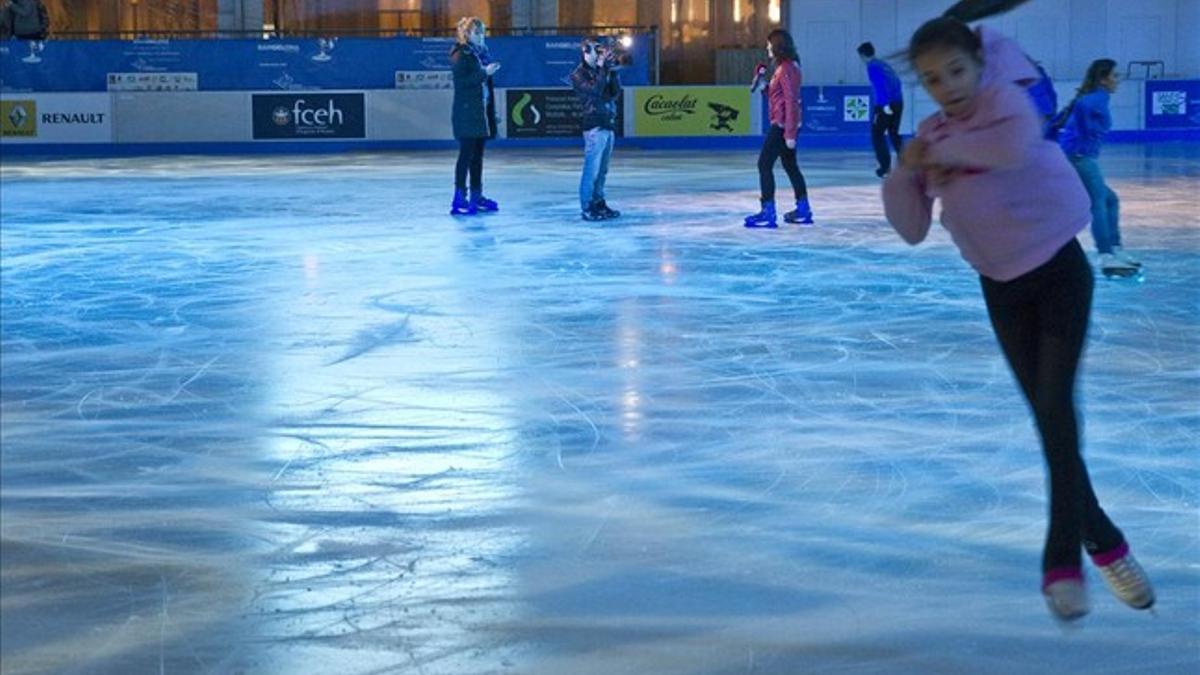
774 147
882 123
1041 321
470 158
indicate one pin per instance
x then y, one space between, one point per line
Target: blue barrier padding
64 150
1172 104
283 64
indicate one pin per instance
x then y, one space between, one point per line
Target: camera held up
616 51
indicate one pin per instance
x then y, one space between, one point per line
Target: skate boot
1120 254
461 206
1065 593
764 218
1125 577
483 204
882 172
602 208
591 213
802 215
1113 267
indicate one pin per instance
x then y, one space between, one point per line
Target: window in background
615 14
457 9
497 14
399 16
78 18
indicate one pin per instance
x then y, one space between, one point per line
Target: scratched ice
283 415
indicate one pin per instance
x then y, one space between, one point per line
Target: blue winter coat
1090 120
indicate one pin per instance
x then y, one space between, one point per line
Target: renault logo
18 118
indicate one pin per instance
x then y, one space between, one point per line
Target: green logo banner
691 111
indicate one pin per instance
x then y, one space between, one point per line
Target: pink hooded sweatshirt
1013 200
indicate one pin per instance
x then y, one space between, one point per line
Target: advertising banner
550 113
283 64
1172 104
309 116
692 111
399 114
424 79
153 81
181 117
56 118
836 109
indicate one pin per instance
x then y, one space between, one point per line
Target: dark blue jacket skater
886 108
473 115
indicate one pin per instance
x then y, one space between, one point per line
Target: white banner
153 82
56 118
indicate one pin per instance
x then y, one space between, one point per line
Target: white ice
284 415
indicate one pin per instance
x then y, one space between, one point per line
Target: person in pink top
1013 205
783 97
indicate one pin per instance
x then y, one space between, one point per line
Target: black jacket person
473 115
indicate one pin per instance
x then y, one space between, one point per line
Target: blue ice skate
801 215
483 204
461 206
764 218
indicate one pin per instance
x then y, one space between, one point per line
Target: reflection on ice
283 415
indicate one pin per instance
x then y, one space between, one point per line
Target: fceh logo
311 115
303 116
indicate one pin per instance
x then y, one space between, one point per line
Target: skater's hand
791 143
760 71
913 156
491 68
939 174
887 109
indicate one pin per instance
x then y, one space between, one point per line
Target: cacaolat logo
670 108
18 118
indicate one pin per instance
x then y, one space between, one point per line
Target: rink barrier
287 64
118 123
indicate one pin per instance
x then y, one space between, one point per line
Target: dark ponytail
970 11
945 33
783 46
1100 69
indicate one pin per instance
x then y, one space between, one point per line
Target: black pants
775 147
1041 321
470 158
883 123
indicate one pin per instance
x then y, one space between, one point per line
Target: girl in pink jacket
1013 206
783 95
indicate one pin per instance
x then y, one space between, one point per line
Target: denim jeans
1105 205
597 148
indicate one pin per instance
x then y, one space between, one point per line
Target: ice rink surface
283 415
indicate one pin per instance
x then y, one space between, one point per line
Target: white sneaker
1125 577
1111 265
1065 594
1120 254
